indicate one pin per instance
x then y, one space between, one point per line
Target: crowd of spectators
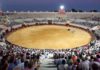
13 57
86 23
83 58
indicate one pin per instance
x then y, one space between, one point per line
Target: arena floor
49 37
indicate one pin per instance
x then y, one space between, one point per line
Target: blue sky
48 5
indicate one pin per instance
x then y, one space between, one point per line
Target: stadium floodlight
62 7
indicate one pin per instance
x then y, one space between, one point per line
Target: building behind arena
77 15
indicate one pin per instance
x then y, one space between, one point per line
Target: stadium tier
50 41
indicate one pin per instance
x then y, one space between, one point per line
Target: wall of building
53 14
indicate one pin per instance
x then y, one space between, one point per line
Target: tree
74 10
93 10
80 10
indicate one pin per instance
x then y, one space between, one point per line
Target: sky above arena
48 5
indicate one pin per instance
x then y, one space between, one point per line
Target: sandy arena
49 37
